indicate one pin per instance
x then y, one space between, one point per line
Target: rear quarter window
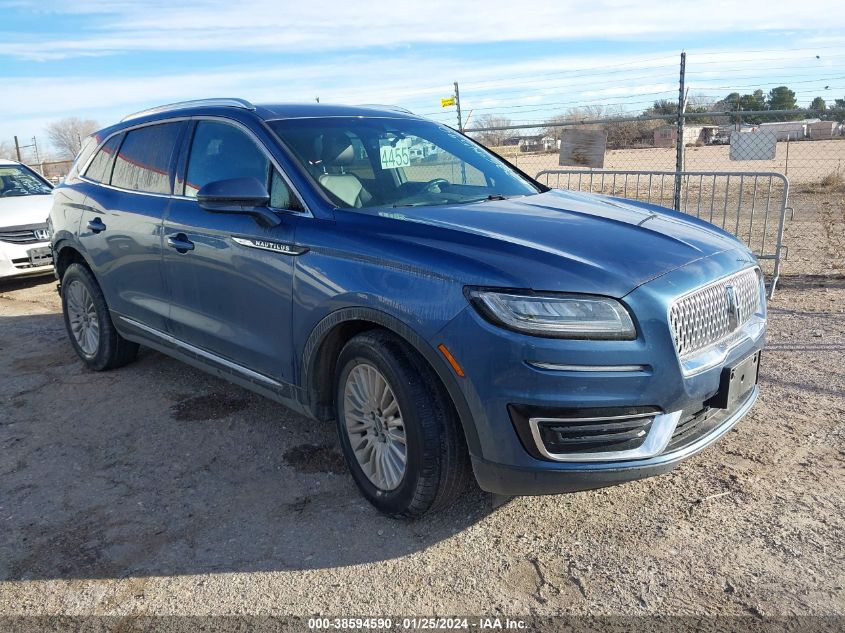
143 163
100 168
88 147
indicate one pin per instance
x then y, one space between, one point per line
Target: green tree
755 101
782 98
663 106
839 104
818 104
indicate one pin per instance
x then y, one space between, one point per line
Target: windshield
375 162
17 180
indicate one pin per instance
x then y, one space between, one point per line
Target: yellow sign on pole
445 103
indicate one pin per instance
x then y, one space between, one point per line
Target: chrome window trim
261 146
201 352
658 437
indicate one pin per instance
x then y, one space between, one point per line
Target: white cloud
329 25
381 52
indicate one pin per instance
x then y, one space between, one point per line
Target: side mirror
238 195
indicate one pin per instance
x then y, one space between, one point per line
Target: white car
25 203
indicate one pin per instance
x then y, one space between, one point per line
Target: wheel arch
65 254
321 351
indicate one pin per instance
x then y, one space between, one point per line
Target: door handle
96 225
180 242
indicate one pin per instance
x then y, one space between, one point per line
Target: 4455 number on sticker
393 157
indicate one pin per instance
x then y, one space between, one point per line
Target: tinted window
281 196
88 147
220 151
100 168
143 163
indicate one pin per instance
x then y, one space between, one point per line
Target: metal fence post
679 143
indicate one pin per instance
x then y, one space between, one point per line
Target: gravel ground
156 489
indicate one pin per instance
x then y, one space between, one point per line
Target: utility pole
18 149
458 104
35 145
679 144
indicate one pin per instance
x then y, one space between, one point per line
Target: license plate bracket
736 381
42 256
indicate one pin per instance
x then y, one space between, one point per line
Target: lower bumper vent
590 436
596 434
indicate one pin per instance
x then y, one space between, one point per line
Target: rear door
231 278
121 225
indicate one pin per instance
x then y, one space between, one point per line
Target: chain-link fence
53 170
735 171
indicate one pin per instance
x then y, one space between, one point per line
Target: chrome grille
702 317
23 234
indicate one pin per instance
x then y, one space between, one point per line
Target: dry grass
834 182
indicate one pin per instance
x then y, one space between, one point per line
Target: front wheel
398 430
89 325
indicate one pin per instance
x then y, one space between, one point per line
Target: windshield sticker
392 157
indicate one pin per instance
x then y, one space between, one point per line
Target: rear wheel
89 325
398 430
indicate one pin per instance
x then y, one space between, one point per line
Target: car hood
24 210
567 241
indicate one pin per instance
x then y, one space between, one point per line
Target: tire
436 468
88 322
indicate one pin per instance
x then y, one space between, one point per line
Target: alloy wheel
373 422
83 319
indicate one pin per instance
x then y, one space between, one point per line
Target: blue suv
451 314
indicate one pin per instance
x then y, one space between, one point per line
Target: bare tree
66 135
619 134
493 138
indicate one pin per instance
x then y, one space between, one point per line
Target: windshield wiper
492 196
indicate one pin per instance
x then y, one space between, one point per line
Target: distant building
666 135
822 129
532 143
788 130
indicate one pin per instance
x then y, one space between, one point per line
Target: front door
231 278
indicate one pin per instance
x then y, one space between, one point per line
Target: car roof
4 161
267 112
314 110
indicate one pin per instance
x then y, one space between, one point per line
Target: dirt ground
156 489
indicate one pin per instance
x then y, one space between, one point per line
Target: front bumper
15 260
506 371
575 476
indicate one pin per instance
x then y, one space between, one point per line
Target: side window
100 168
281 196
89 145
220 151
143 163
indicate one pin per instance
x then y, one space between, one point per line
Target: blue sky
526 61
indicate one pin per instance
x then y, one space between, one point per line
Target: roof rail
222 102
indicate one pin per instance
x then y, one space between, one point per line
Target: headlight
556 316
